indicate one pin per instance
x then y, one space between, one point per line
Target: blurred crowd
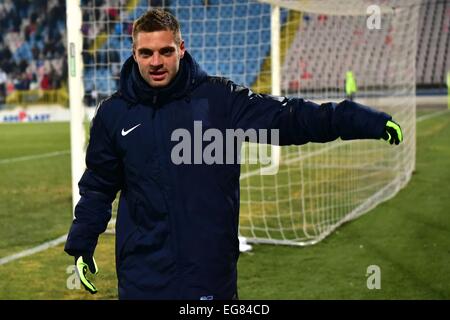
32 47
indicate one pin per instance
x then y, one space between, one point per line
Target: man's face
158 57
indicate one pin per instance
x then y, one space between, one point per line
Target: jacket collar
136 90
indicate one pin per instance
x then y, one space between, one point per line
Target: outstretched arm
301 121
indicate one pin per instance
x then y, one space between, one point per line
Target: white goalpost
76 91
295 48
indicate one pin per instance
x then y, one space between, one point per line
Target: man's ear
134 54
182 49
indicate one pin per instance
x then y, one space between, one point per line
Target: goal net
294 48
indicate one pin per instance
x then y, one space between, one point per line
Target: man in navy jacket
177 223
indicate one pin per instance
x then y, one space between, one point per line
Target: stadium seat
225 25
212 12
211 26
225 11
211 40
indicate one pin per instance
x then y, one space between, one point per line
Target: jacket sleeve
301 121
98 188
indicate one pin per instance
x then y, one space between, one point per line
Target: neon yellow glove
393 132
82 264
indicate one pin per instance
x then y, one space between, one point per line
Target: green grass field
407 237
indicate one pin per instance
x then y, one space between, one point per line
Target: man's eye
166 53
145 54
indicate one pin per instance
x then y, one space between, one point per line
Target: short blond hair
157 20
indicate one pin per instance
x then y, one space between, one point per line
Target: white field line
34 250
63 238
39 248
36 156
45 245
429 116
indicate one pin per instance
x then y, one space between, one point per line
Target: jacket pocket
149 242
127 245
153 199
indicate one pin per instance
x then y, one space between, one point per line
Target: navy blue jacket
177 225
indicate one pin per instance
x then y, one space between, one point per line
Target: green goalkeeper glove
82 264
393 133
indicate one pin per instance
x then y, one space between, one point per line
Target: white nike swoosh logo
124 133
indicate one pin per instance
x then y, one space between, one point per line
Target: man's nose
156 59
